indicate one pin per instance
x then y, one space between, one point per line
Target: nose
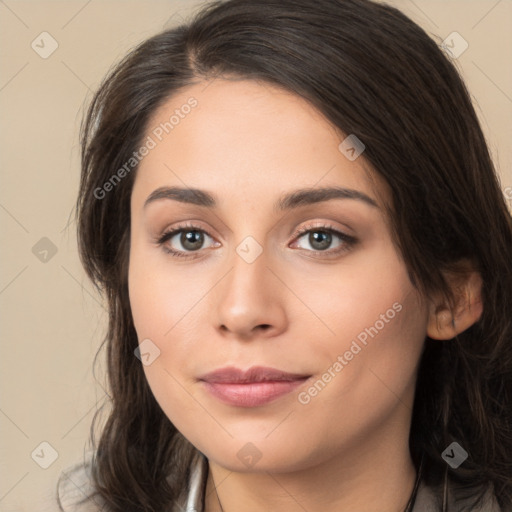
250 299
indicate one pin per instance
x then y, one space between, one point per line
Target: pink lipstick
254 387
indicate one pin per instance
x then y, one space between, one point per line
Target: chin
243 456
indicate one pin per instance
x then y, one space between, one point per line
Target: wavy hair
374 73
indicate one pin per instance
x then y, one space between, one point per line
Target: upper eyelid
298 233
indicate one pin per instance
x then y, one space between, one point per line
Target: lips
251 388
254 374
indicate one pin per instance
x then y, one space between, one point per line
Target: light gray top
76 493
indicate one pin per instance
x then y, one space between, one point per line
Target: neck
378 476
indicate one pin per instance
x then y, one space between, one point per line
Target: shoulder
464 498
430 498
75 489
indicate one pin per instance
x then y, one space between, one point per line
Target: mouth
251 388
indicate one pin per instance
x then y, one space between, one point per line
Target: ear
444 323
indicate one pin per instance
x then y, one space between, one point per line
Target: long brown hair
373 73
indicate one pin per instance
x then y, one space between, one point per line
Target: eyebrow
294 199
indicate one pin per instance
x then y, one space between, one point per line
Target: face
307 285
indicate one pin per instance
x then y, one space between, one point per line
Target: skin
248 143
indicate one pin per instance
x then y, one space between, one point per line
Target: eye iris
193 237
323 238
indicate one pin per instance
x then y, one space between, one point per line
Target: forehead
246 136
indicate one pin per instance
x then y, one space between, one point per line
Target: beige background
52 321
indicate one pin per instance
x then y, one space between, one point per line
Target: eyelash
349 241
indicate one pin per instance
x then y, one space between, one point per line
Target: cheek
367 365
161 313
160 294
371 301
377 326
166 301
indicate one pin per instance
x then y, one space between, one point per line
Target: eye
191 239
320 238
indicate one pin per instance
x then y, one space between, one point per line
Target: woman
292 211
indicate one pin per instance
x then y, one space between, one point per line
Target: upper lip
231 374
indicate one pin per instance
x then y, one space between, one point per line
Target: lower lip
251 394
